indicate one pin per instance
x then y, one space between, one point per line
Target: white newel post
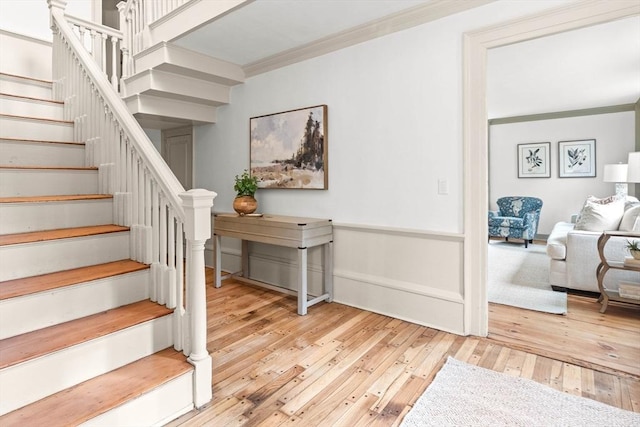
197 205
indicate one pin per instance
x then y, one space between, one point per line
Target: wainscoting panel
410 275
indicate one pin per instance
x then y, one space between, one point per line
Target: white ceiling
591 67
266 27
597 66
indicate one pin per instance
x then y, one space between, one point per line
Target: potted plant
245 187
634 248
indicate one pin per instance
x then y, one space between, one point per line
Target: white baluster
114 62
155 241
162 280
179 326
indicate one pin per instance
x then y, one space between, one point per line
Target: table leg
328 269
302 281
218 261
245 258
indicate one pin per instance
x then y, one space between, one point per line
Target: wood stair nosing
61 168
31 345
62 233
38 141
30 98
103 393
42 119
51 199
16 76
46 282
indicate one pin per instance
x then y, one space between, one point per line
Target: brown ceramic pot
245 205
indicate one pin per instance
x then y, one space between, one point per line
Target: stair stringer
173 86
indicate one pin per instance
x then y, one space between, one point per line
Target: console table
605 265
291 232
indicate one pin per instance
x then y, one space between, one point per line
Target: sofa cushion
557 240
631 218
600 214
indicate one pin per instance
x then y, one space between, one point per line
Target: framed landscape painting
289 149
577 159
534 160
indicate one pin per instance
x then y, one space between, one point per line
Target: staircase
80 340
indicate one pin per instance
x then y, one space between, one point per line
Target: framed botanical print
534 160
577 159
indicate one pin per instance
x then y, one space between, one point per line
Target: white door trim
182 131
475 129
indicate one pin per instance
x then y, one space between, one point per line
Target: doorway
177 151
475 130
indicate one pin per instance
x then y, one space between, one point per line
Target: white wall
395 129
31 17
25 56
394 116
614 134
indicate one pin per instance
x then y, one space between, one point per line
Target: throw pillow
597 216
594 199
631 219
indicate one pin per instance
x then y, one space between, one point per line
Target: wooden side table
607 295
291 232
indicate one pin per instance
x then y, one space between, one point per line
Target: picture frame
577 158
288 150
534 160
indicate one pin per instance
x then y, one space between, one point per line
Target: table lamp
633 169
618 174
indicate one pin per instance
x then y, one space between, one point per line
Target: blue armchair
516 217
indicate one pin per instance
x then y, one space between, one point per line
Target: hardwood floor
341 366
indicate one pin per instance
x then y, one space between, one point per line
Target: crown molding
563 114
390 24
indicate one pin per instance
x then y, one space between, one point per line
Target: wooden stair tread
43 119
59 279
61 233
97 396
63 198
31 345
27 140
71 168
31 98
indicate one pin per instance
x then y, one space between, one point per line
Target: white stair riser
24 217
155 408
32 259
28 153
47 182
27 128
35 379
71 302
25 87
31 108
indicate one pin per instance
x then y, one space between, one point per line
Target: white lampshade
633 171
615 173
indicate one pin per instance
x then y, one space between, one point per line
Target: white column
197 205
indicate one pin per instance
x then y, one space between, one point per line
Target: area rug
467 395
519 277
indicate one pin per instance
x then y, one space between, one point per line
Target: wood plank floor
341 366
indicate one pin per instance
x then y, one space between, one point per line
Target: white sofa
574 253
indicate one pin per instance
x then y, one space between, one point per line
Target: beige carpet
519 277
467 395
